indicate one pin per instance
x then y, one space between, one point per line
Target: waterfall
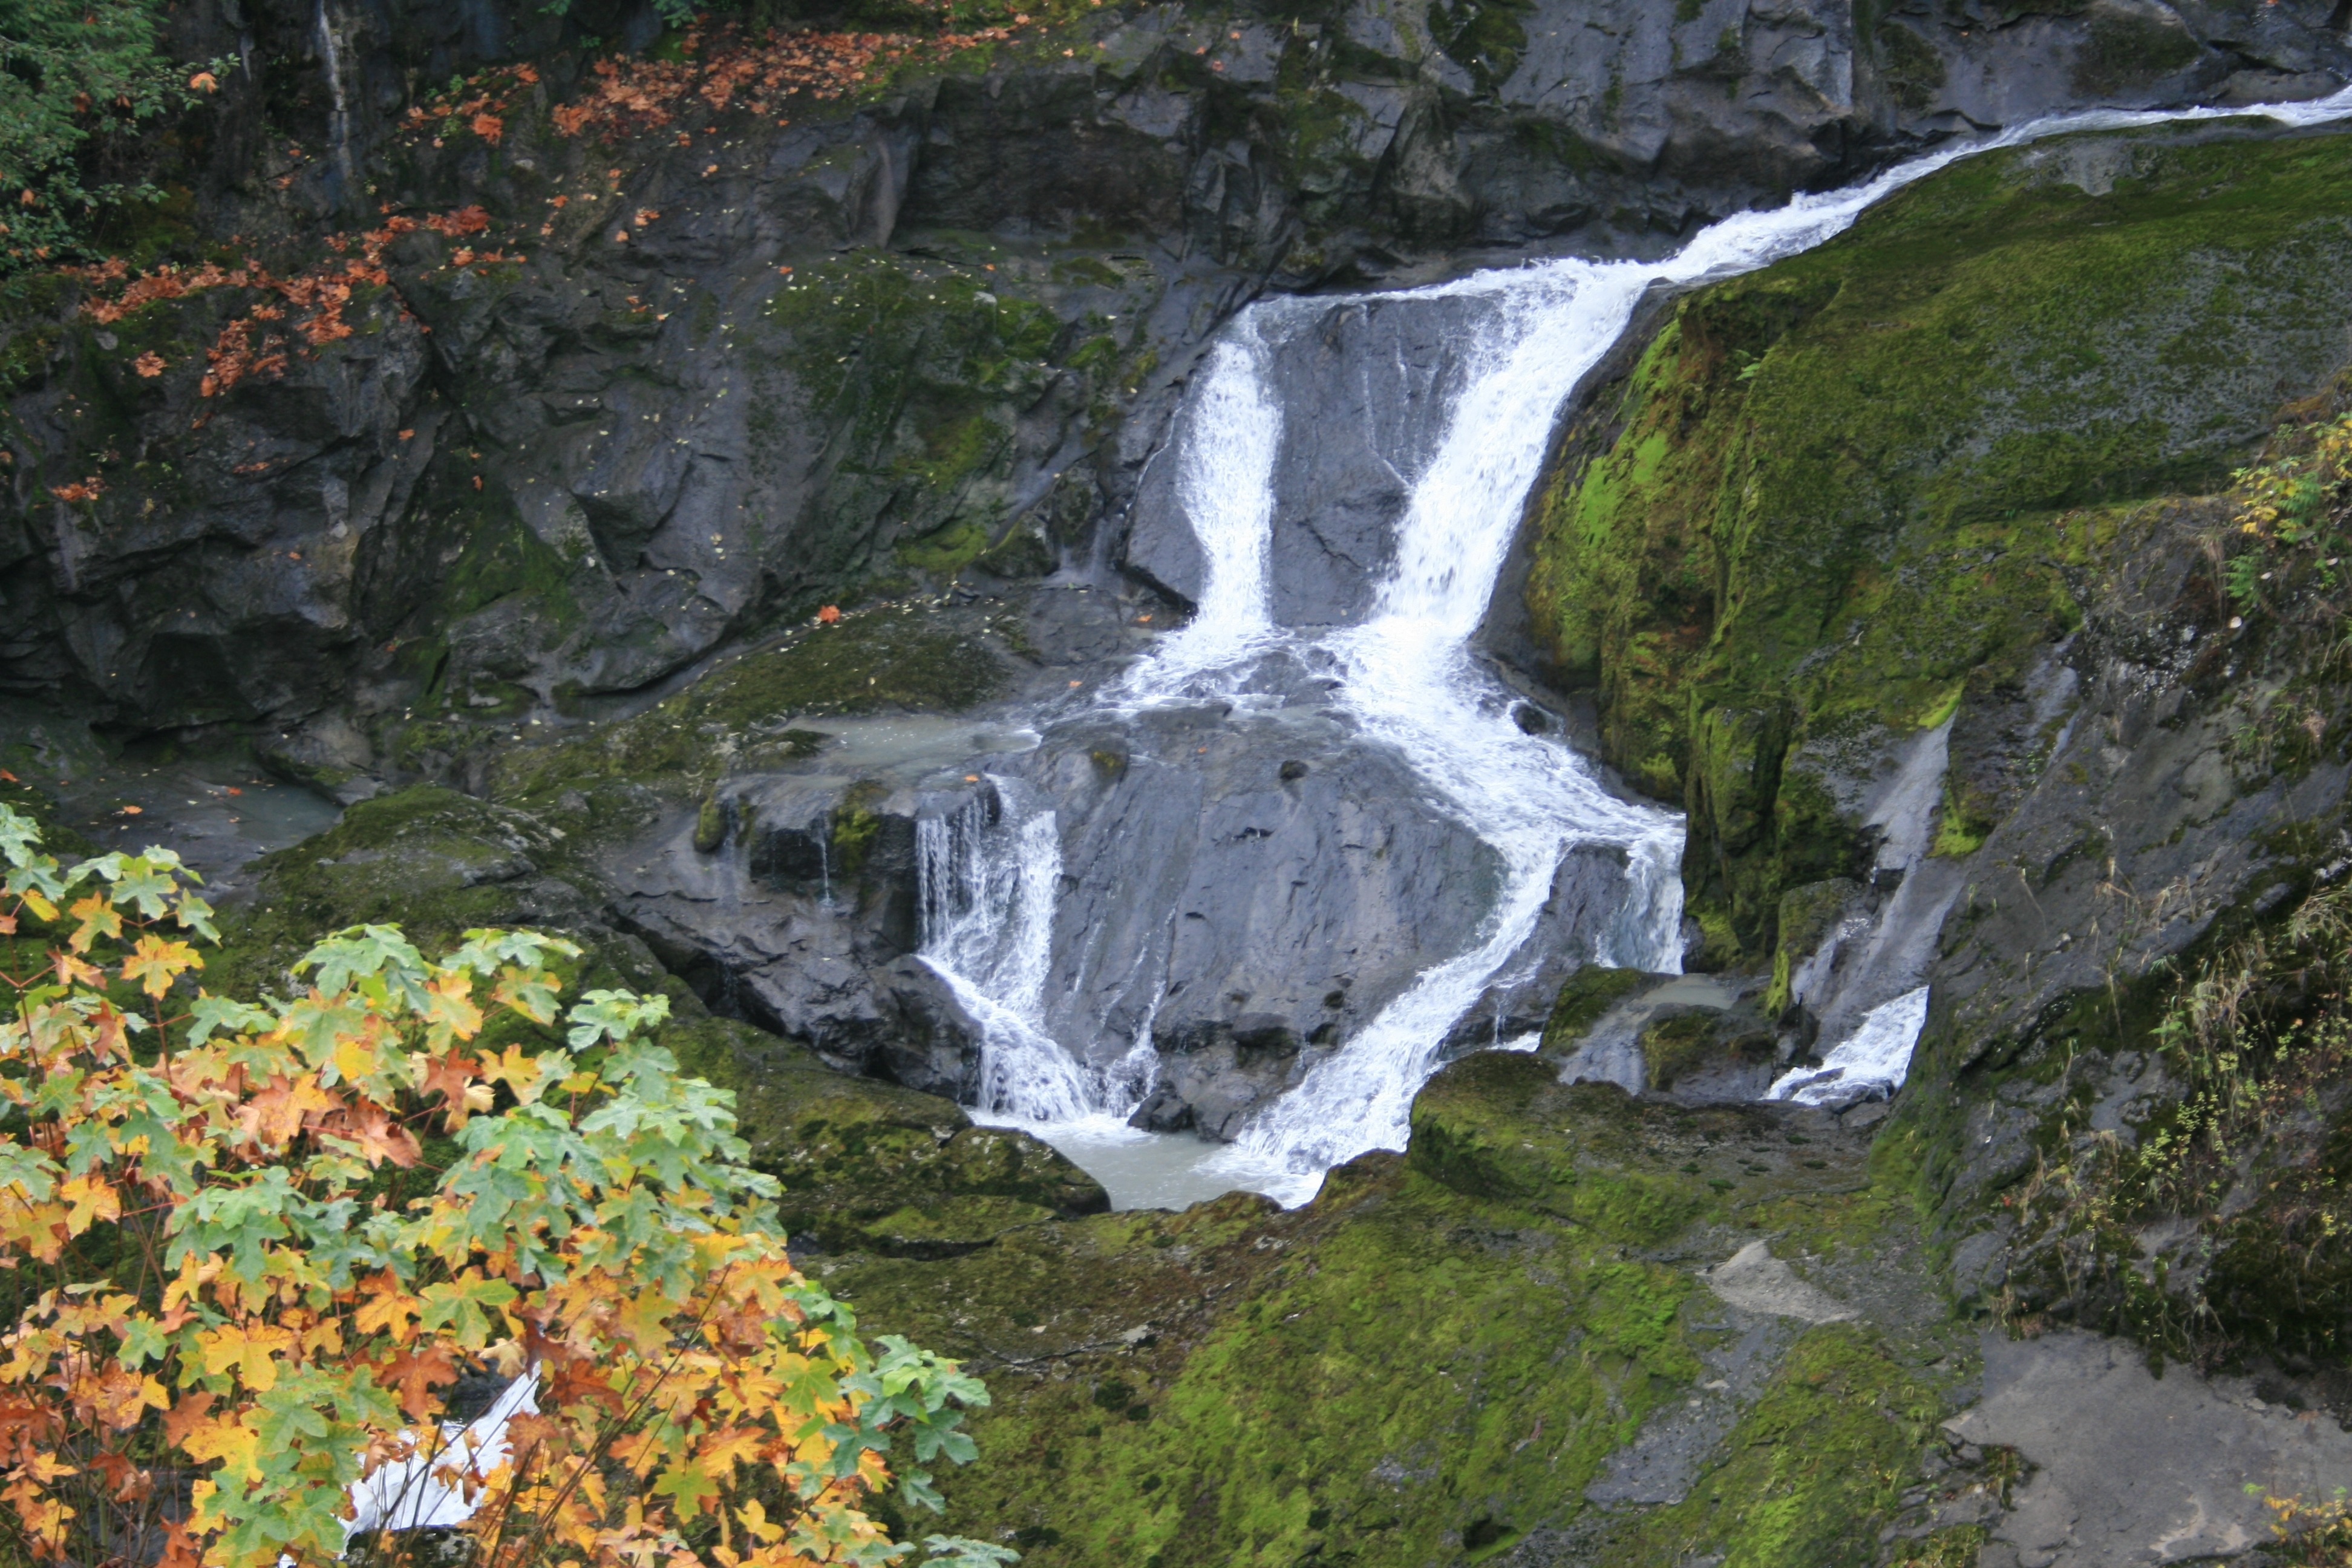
1228 435
1407 674
339 124
1871 1062
986 878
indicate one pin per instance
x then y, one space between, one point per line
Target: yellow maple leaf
156 962
89 1198
390 1310
521 1072
449 1011
237 1446
94 918
253 1350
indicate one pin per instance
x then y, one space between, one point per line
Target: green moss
856 824
1678 1044
1429 1363
925 364
1908 66
1803 919
1959 1547
867 1164
2126 49
1584 998
1368 1390
1843 493
709 826
1484 38
1813 1467
1500 1125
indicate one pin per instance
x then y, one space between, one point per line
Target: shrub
250 1250
78 78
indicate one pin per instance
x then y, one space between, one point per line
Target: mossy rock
1677 1044
862 1161
1429 1363
1805 917
942 1228
1831 500
1585 998
1501 1125
1237 1385
431 860
1814 1465
748 711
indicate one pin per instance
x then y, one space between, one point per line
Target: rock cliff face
516 484
1939 602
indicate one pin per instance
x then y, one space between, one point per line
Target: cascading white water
1872 1061
1407 677
1407 674
1228 437
986 881
987 895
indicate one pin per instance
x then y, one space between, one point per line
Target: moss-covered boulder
429 859
756 710
869 1166
1433 1359
1830 505
1585 998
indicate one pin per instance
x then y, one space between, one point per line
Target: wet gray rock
1352 383
2123 1466
2138 834
657 480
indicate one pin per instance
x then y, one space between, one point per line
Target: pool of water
219 816
1145 1169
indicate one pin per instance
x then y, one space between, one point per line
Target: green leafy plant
249 1250
78 80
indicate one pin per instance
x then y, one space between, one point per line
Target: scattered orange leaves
250 345
626 97
90 489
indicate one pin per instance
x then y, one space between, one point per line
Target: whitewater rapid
1409 680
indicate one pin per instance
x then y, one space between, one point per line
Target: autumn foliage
310 303
248 1250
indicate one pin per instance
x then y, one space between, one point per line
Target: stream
1397 673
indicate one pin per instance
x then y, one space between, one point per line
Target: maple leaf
449 1075
388 1310
237 1447
89 1198
690 1485
276 1114
448 1008
417 1374
72 971
95 916
155 964
380 1139
253 1350
519 1072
